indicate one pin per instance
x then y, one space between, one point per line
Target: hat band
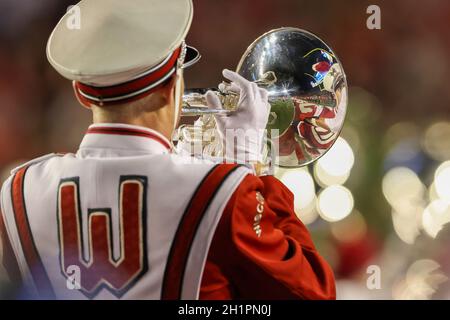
134 89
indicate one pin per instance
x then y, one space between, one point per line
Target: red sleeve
282 263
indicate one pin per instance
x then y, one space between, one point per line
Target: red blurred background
399 118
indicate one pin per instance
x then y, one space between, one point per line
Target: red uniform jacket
272 257
280 264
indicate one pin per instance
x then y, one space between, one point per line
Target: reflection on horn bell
307 92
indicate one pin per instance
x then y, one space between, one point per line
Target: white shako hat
121 50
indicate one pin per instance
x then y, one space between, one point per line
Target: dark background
398 114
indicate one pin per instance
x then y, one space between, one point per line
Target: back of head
126 58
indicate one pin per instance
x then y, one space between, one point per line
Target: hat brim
192 57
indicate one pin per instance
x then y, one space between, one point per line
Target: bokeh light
335 166
421 281
407 226
405 192
442 181
301 184
432 194
436 142
400 131
402 188
309 213
435 216
335 203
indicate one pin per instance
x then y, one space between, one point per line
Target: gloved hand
243 131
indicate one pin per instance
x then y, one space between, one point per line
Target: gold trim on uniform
259 214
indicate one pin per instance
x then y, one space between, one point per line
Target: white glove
243 131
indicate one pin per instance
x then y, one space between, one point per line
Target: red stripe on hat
87 102
130 86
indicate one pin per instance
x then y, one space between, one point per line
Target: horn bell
308 93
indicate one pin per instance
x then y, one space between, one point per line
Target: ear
85 103
168 88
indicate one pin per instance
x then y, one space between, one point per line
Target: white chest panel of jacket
104 223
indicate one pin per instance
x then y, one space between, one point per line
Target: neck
160 120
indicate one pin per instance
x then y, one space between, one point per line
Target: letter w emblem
102 269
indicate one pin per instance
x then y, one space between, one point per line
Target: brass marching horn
307 92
